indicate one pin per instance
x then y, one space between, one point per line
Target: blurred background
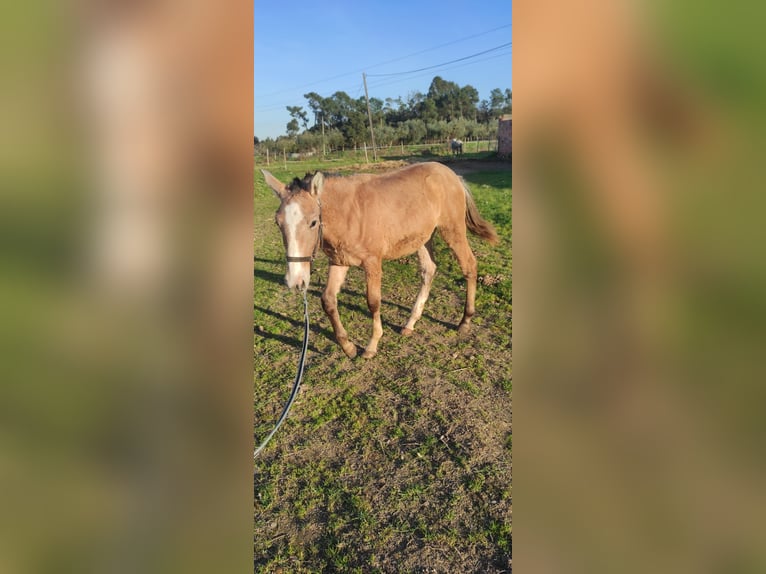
125 290
639 283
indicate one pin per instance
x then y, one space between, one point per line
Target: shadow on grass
295 342
346 303
500 177
267 275
316 330
273 261
385 303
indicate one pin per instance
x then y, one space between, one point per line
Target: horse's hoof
350 350
406 332
463 329
369 354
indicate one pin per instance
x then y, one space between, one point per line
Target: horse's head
299 218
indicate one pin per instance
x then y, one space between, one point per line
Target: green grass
442 151
403 461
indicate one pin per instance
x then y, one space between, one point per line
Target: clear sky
324 46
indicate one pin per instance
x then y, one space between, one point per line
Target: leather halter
317 245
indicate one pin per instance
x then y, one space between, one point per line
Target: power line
388 82
382 83
443 63
394 79
379 84
440 46
388 61
269 107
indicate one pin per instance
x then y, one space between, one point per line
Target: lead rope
298 378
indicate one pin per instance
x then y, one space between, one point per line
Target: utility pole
323 148
369 116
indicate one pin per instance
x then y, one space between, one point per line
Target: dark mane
302 184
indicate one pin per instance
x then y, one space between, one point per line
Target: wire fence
276 155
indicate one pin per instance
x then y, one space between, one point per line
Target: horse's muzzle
298 276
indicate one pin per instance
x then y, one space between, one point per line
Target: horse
457 147
361 220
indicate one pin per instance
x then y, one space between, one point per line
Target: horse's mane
299 184
304 184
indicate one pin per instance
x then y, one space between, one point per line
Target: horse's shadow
288 340
388 303
318 330
267 275
345 303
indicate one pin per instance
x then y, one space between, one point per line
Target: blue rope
298 378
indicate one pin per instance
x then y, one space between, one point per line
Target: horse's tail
474 221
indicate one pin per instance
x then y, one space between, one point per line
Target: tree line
446 111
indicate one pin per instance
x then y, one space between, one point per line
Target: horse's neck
336 205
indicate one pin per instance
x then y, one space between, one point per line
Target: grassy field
397 464
485 149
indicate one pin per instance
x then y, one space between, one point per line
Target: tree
355 129
297 113
500 102
438 130
385 135
334 139
458 128
414 99
292 128
484 112
445 110
467 97
315 102
428 111
414 130
376 110
309 142
474 129
446 97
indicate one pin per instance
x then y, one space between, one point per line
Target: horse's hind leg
458 242
427 272
335 280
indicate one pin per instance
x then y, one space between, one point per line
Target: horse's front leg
373 271
335 280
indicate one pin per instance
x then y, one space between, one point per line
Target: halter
317 245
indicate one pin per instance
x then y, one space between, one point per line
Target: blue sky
303 46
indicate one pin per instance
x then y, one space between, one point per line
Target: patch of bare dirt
466 166
380 166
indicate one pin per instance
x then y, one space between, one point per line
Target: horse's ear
317 184
279 188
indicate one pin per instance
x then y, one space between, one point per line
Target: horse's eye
313 223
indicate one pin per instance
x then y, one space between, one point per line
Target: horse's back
428 178
419 187
402 208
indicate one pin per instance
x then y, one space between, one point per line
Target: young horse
363 219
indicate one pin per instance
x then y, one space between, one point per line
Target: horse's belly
406 245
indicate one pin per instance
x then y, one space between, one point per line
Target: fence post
267 156
366 159
284 157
